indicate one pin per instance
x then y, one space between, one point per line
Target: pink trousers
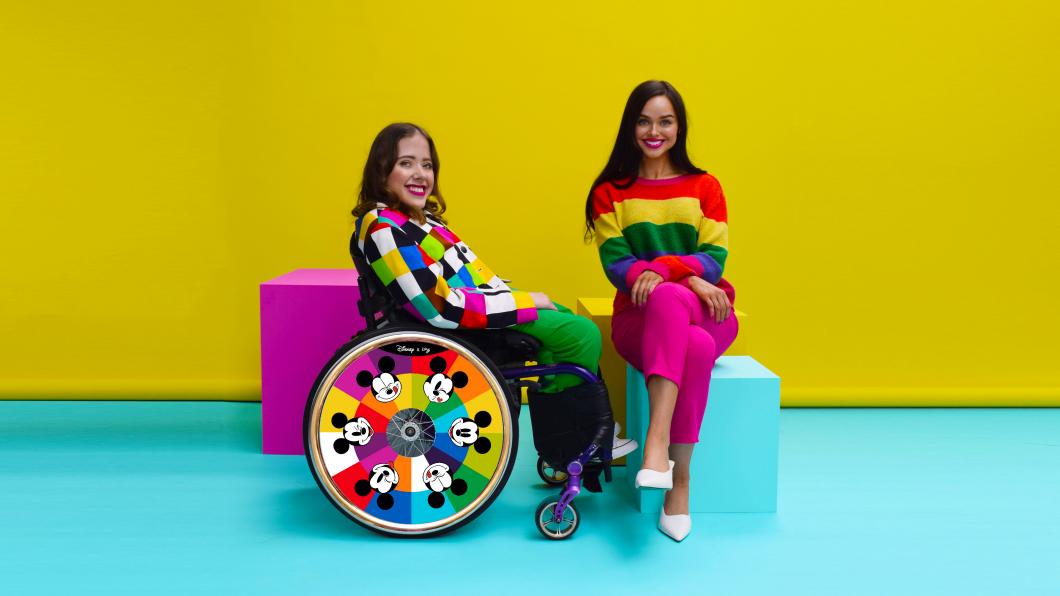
674 337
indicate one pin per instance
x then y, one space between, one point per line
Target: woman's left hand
713 297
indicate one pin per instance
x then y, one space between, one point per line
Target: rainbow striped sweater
437 278
676 227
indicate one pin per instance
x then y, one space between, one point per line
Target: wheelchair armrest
522 342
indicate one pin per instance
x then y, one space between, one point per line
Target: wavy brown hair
381 159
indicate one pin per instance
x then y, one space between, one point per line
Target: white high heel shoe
648 478
674 526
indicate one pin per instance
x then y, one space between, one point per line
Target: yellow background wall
891 167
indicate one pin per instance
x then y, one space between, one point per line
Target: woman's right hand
542 301
714 297
644 286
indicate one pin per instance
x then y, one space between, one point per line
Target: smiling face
412 179
386 387
656 127
358 431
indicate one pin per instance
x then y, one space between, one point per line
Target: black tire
406 333
545 521
552 475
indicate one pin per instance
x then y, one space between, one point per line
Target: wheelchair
412 431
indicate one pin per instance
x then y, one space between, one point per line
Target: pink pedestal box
305 316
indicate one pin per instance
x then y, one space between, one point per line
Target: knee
701 345
579 337
672 303
668 295
589 334
667 290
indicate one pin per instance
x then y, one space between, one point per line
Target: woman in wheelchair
419 437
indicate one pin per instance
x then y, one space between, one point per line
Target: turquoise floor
175 498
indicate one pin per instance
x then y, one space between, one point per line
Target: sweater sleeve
708 261
621 266
415 280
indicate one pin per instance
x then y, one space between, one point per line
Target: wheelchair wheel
410 432
546 521
552 475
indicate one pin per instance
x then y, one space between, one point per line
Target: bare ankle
675 502
656 462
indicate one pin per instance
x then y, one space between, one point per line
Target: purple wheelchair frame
576 466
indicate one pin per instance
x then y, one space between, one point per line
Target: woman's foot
675 525
648 478
657 469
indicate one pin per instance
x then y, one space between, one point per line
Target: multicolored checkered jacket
676 227
435 276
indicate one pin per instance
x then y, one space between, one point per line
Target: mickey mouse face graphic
383 479
464 432
438 387
385 386
357 431
437 477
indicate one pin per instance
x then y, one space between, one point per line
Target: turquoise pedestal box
734 466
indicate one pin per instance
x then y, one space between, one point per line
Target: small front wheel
548 525
552 475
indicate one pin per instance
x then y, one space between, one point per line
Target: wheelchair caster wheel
546 519
552 475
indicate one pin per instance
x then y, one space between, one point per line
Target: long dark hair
381 159
624 163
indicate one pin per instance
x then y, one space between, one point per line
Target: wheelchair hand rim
314 445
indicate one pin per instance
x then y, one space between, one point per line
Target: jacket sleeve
621 266
415 280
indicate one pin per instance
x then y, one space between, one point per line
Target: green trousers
564 337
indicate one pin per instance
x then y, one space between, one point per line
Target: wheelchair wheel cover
409 432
